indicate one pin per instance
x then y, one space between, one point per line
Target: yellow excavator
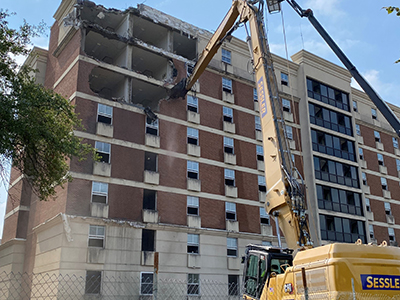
301 271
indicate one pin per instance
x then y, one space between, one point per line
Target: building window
192 169
377 136
193 243
398 164
384 183
151 126
364 178
150 161
332 145
99 192
230 211
232 247
358 130
233 285
229 177
289 132
286 105
226 56
380 159
328 95
330 119
371 232
93 282
341 229
96 236
148 240
146 283
104 114
149 199
103 151
355 106
395 142
392 236
257 123
192 205
192 136
192 104
227 85
335 172
264 217
193 284
367 204
361 153
388 209
339 200
227 114
284 79
266 243
260 153
255 95
261 184
374 114
228 145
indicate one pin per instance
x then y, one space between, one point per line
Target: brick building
191 185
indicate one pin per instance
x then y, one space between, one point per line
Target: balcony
379 146
101 169
386 194
193 184
383 169
194 221
266 230
229 127
193 117
230 158
99 210
152 140
151 177
193 261
193 150
104 129
232 226
231 191
150 216
228 97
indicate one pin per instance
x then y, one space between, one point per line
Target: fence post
155 280
303 274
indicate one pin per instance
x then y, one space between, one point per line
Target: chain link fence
95 286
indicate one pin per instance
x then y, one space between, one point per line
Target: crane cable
312 217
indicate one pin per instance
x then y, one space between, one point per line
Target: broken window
264 217
149 199
384 183
103 151
151 126
192 136
395 142
93 282
364 178
380 159
148 240
96 236
229 177
193 284
146 283
192 205
104 114
361 153
228 145
227 85
257 123
260 153
230 211
99 192
150 161
261 184
377 136
284 79
228 114
371 232
289 132
233 285
355 106
374 114
232 246
193 243
286 105
367 204
392 236
255 95
388 209
192 169
226 56
192 104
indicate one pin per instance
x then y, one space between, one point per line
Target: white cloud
325 7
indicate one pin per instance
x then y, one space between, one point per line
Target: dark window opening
262 188
150 161
149 199
192 141
231 216
193 211
265 221
146 286
233 285
192 108
104 119
232 252
230 182
260 157
192 249
193 175
228 150
148 240
103 157
93 282
228 119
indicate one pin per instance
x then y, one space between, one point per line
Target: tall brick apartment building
191 185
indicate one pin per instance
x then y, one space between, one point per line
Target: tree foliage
393 9
36 124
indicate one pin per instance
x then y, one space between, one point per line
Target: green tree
392 9
36 124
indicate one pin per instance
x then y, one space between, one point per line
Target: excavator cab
260 264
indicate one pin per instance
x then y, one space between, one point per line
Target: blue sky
364 31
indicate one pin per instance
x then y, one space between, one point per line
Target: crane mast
285 197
